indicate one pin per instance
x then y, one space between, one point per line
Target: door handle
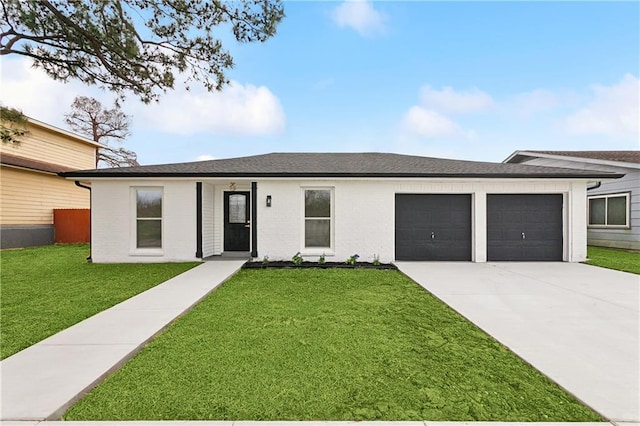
248 224
433 235
523 236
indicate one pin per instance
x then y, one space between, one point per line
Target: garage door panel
525 227
433 227
537 252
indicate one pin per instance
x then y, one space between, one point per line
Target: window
609 210
317 218
237 208
148 218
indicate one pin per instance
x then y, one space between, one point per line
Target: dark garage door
433 227
524 227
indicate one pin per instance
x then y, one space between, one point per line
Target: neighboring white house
395 207
613 210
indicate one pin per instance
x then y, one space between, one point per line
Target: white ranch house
395 207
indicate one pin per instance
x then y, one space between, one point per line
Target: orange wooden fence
72 225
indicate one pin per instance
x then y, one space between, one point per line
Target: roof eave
79 175
518 155
64 132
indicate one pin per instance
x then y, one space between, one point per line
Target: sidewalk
44 380
302 423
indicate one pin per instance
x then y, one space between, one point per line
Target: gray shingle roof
621 156
338 165
28 163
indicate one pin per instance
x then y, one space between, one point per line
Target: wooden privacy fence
72 225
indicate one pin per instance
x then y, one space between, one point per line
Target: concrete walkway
578 324
44 380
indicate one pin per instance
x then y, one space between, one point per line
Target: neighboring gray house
385 206
613 205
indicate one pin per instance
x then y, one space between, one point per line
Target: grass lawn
47 289
622 260
326 345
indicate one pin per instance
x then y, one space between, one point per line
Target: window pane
237 208
149 203
596 211
617 211
317 233
317 203
149 233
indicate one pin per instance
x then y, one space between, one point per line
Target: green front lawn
622 260
326 345
47 289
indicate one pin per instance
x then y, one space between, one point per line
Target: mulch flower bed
282 264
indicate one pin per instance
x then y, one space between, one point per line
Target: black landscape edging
282 264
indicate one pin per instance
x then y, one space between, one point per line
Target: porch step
241 255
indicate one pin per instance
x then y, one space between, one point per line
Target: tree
105 126
134 46
13 125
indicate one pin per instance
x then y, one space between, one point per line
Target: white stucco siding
208 214
110 222
364 215
279 226
113 222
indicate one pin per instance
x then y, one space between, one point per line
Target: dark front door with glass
236 221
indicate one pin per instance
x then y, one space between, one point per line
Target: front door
236 221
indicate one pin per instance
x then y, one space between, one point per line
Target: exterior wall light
268 200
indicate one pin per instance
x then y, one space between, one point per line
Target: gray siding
18 236
609 237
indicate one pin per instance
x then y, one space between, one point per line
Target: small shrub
376 260
352 260
322 260
297 259
265 260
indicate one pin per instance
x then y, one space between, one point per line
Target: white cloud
448 100
238 109
429 123
430 119
361 16
528 104
205 157
612 111
38 95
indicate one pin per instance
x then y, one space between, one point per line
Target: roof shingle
338 165
27 163
623 156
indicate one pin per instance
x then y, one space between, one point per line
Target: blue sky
467 80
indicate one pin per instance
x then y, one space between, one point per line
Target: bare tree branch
105 126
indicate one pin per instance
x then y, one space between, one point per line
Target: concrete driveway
578 324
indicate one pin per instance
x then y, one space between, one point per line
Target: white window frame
318 251
606 205
145 251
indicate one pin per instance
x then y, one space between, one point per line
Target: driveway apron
577 324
